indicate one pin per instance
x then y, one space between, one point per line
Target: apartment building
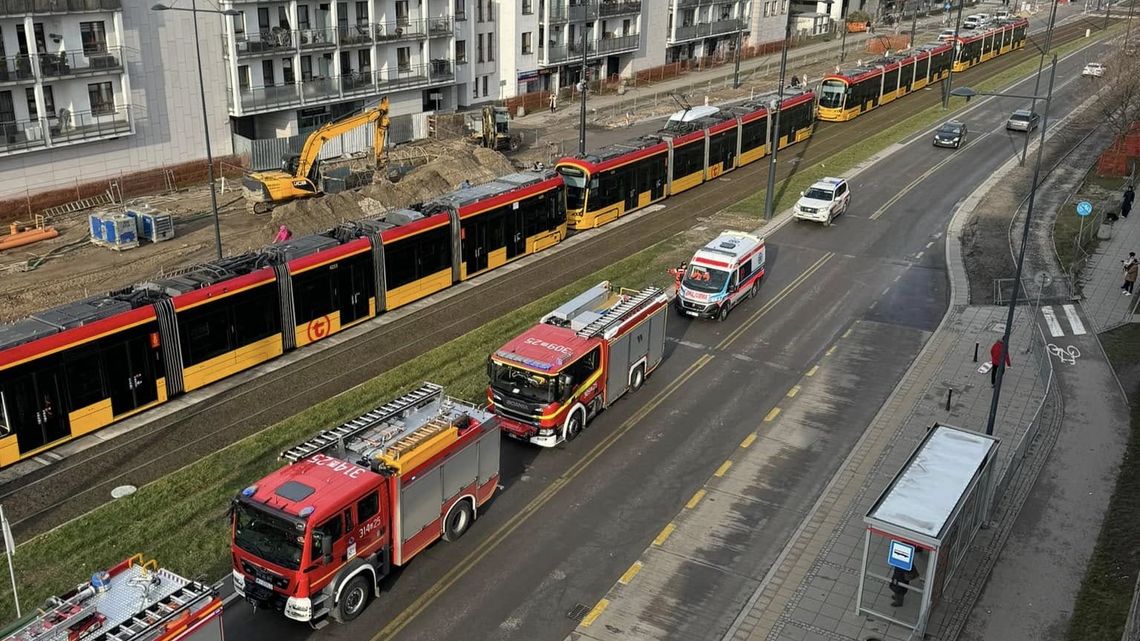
699 28
95 89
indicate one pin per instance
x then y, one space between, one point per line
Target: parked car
1093 70
1001 14
950 134
972 22
947 34
1023 120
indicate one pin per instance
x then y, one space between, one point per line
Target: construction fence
268 153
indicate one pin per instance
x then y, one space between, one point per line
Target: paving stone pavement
1102 277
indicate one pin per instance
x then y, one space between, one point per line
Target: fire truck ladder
331 438
144 621
54 625
620 312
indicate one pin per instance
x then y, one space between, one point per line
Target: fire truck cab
314 539
721 275
547 383
134 601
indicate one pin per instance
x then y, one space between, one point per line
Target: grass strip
1067 225
1105 597
788 190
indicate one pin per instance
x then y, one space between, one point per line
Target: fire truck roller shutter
420 501
460 471
489 455
656 341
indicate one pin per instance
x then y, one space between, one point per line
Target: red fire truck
314 539
549 381
133 601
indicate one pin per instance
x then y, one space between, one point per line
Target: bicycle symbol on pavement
1067 355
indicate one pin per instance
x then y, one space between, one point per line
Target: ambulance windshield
267 536
516 381
705 279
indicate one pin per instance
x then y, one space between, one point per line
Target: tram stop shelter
921 526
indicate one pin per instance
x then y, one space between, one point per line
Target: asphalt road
569 521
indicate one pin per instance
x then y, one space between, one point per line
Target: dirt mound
453 164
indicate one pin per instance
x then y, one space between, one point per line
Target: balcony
583 11
618 7
692 3
265 42
319 90
555 54
558 11
65 128
316 38
269 97
725 26
440 27
690 32
608 46
70 64
16 69
24 7
400 29
354 35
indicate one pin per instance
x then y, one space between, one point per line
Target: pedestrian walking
995 360
901 578
1126 204
553 102
1131 267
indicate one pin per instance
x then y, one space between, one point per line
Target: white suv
823 201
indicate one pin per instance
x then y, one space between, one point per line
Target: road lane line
792 392
812 371
772 414
926 174
406 616
830 350
664 535
1051 320
918 256
720 471
697 496
1074 320
589 619
630 573
758 314
748 440
847 333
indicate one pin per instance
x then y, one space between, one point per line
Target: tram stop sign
1084 208
901 556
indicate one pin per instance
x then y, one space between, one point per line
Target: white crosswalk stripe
1057 327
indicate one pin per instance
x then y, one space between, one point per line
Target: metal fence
267 153
1132 625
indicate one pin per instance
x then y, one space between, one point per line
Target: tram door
32 403
475 246
628 180
131 375
353 291
513 230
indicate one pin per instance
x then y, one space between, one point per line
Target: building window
239 26
478 11
460 51
491 47
283 17
527 7
94 37
475 89
243 78
287 71
404 59
484 85
306 68
303 16
361 13
263 18
527 47
33 114
102 98
479 50
402 13
364 60
784 7
490 11
267 73
626 28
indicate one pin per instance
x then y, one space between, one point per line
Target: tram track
46 498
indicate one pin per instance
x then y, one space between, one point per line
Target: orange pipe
22 238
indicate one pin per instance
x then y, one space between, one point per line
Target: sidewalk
1102 276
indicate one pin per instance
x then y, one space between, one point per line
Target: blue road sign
901 556
1084 208
946 6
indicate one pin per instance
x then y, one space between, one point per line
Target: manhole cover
578 612
122 491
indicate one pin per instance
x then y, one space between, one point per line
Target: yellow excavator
300 174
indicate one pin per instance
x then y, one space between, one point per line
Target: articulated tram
74 369
696 145
847 94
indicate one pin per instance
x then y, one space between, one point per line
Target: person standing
1126 204
553 102
995 360
1131 266
901 578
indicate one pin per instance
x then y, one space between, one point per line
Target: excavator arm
311 152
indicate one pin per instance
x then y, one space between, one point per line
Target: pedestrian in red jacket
995 360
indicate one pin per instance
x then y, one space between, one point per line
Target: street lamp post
1037 80
953 57
736 67
205 115
968 93
584 85
843 36
770 193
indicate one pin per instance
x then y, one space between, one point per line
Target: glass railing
90 61
610 45
16 69
22 7
354 35
84 125
618 7
270 97
400 29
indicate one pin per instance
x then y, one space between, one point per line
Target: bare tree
1119 106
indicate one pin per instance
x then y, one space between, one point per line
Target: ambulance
721 275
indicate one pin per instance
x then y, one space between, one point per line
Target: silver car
1023 120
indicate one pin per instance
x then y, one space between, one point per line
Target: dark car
950 134
1023 120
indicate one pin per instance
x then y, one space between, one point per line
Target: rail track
49 497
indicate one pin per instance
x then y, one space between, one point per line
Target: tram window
5 422
891 80
753 133
313 294
85 379
921 67
255 315
433 252
205 333
688 159
415 257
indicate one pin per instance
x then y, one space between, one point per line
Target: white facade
93 90
701 28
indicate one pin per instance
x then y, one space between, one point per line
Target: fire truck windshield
266 536
519 382
575 180
705 279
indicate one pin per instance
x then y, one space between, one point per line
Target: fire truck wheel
574 426
638 378
458 520
353 598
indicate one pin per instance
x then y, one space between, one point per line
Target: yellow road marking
926 174
722 469
630 573
792 392
664 535
831 350
700 494
775 411
748 440
758 314
595 613
422 602
812 371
